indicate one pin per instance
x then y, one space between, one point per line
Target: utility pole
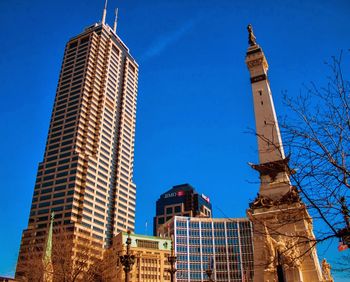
127 260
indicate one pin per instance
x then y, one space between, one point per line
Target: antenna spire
115 21
104 12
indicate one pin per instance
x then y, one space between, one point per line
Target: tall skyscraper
284 243
86 176
180 200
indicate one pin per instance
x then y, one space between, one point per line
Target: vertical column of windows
194 251
92 215
111 126
126 138
105 145
181 235
227 254
246 248
220 251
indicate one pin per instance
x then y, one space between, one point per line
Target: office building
151 258
86 175
222 244
181 200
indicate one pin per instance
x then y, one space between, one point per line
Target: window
177 209
57 195
57 202
84 40
43 211
46 197
45 204
147 244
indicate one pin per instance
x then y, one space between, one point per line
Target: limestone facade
151 259
284 243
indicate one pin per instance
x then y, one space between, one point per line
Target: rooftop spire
47 259
104 13
115 21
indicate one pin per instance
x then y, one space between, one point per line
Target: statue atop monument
251 38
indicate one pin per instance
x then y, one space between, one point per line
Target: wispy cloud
167 39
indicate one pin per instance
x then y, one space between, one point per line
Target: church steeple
273 166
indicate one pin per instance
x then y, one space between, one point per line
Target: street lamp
127 260
209 270
172 261
280 274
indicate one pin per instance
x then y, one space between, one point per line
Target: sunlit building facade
151 258
86 176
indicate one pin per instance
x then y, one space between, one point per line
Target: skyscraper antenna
104 13
115 21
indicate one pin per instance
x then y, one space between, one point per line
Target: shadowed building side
180 200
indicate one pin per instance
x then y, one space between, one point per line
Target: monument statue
251 38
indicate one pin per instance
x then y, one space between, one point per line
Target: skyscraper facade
223 245
180 200
86 176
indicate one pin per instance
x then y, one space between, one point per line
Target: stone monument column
283 232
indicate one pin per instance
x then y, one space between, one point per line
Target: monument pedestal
283 241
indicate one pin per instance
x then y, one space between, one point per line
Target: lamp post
280 273
209 270
127 260
172 261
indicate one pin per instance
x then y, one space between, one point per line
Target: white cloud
166 40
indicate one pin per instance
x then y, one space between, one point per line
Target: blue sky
194 104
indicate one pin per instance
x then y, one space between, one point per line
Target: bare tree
343 265
75 259
317 136
70 260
